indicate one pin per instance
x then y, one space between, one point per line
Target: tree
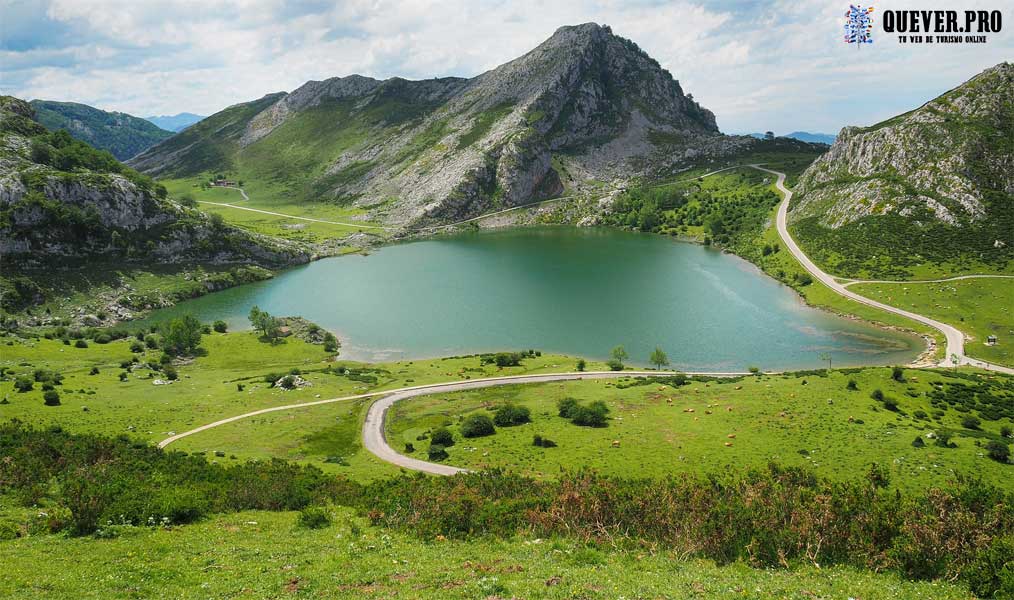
511 414
581 364
769 135
898 374
659 358
265 323
477 426
437 452
826 356
181 336
619 353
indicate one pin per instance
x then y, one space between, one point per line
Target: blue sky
775 65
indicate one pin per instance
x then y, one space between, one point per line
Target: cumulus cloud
776 65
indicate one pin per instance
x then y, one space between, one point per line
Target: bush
852 385
615 365
890 404
877 395
314 517
170 373
566 407
151 341
998 451
51 398
409 448
991 573
442 436
581 364
477 426
219 326
593 415
24 384
437 452
541 442
80 344
123 376
970 422
918 442
1005 431
898 374
93 371
136 347
511 414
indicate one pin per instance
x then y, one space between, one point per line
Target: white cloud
777 65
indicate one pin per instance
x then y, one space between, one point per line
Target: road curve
955 339
373 426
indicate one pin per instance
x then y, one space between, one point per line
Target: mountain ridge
585 106
175 123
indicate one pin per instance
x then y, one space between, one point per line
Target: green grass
978 307
266 555
773 418
207 391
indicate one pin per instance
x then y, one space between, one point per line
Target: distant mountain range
121 134
803 136
177 122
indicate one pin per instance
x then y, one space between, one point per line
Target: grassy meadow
656 430
977 307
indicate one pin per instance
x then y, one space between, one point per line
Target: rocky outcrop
447 149
48 213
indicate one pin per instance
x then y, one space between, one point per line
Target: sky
776 65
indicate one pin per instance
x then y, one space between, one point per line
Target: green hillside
120 134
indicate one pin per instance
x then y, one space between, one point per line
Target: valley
538 331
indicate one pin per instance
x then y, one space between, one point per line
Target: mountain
803 136
935 184
121 134
175 123
61 199
813 138
585 107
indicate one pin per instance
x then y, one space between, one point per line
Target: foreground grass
978 307
266 555
809 421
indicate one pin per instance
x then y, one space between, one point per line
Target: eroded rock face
448 149
942 161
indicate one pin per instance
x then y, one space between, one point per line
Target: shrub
944 439
507 359
615 365
80 344
592 415
920 414
442 436
970 422
1005 431
51 398
541 442
890 404
314 517
877 395
170 373
477 426
898 374
437 452
754 370
998 451
566 407
136 347
240 387
581 364
123 376
852 385
991 572
103 338
511 414
288 382
151 341
918 442
409 448
23 384
220 326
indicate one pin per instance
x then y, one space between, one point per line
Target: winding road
955 339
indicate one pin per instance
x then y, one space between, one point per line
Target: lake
578 291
